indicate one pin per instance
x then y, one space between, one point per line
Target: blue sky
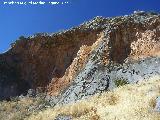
23 20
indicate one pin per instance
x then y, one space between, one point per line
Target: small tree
22 38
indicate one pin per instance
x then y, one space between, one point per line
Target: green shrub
120 82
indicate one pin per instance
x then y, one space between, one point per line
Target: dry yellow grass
130 102
14 110
21 108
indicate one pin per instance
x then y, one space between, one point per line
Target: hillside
45 71
130 102
127 51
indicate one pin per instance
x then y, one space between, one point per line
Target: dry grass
14 110
20 108
130 102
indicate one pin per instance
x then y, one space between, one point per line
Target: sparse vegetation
129 102
36 64
21 38
21 108
120 82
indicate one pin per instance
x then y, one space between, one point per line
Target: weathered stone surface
157 107
129 50
33 62
62 117
85 60
102 80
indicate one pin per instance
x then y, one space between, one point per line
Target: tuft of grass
152 102
120 82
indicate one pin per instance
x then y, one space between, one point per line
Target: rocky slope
96 56
130 102
127 51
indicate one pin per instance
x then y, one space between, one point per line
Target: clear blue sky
27 20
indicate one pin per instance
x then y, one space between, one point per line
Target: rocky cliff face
96 56
33 62
127 51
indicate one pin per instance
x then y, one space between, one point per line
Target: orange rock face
127 42
42 58
51 62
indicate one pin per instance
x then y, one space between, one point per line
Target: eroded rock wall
128 52
85 60
33 62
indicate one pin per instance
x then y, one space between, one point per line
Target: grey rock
63 117
157 107
31 93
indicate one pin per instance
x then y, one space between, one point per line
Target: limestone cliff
33 62
84 60
127 51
